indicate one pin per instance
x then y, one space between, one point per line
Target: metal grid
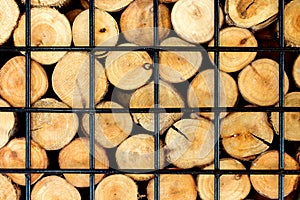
282 50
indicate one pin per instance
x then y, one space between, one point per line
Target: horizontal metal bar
152 110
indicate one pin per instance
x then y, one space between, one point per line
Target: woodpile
170 91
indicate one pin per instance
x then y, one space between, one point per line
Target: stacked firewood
125 79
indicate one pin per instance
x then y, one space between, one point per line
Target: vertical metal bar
27 97
216 101
92 96
281 100
156 101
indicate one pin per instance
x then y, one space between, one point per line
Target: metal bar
281 100
92 96
156 99
27 98
216 101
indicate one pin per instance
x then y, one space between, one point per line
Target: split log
9 15
259 82
296 72
246 134
232 186
178 66
196 25
254 14
13 156
48 28
201 92
117 186
71 82
53 130
175 186
43 3
267 185
54 187
235 61
76 155
128 70
137 22
110 128
13 82
291 23
9 191
144 98
190 143
291 119
8 124
137 152
106 29
72 14
107 5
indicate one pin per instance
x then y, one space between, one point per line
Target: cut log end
232 187
53 130
196 25
267 185
245 135
296 71
76 156
48 28
117 187
13 156
8 124
9 14
258 82
137 152
189 143
9 191
54 187
174 186
12 81
291 119
292 23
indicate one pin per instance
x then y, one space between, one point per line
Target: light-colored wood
13 156
8 123
53 130
292 23
137 152
201 92
72 14
117 186
267 185
244 134
13 82
291 119
232 187
71 82
9 14
193 20
48 28
168 1
128 70
76 155
43 3
54 187
190 143
296 71
175 186
235 61
137 22
144 98
178 66
108 5
8 190
259 82
110 128
106 29
254 14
